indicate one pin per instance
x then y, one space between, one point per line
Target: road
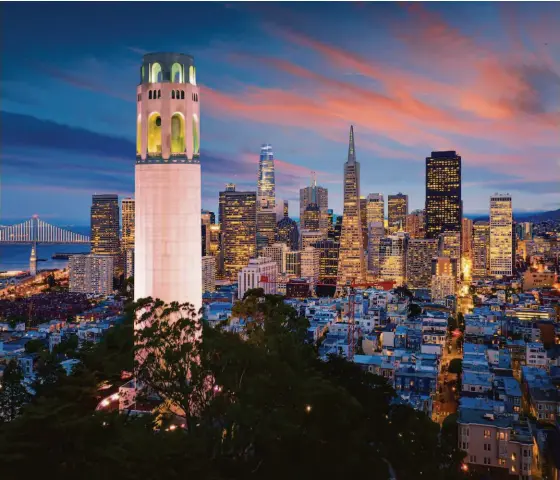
445 402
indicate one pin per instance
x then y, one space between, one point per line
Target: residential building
450 246
351 265
208 273
276 253
91 274
239 230
501 236
261 272
443 193
397 210
419 257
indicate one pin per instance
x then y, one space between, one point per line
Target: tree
403 291
451 324
456 366
167 357
414 309
34 346
13 394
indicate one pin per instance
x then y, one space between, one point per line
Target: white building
535 355
261 272
310 264
276 253
91 274
168 257
208 273
444 278
501 235
392 257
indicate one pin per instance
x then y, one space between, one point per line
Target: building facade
239 234
266 189
375 208
309 237
287 232
292 263
392 257
328 260
443 193
261 272
501 236
167 181
376 231
351 265
127 223
311 264
444 278
318 196
415 224
208 273
397 210
266 228
420 254
480 249
276 253
105 225
92 274
450 246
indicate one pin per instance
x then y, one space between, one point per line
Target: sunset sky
482 79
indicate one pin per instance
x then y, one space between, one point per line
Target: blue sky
479 78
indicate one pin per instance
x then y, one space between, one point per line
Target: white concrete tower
168 261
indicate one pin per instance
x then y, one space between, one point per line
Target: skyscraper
397 210
375 208
501 235
127 223
266 228
168 256
328 264
466 237
208 273
311 218
265 182
310 264
376 231
230 187
450 246
444 278
481 244
317 195
443 193
351 256
363 221
239 230
276 253
288 233
105 225
419 257
392 257
415 224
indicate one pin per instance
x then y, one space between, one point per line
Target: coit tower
167 181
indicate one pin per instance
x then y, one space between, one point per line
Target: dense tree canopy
256 406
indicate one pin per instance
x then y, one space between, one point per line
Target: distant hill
534 217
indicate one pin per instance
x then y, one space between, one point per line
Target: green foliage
403 291
456 366
34 346
68 346
13 394
414 309
257 406
452 324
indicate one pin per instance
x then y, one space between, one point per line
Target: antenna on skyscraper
313 179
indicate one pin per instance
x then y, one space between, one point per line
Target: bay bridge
36 231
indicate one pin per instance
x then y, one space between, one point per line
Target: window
150 94
525 453
502 461
486 433
487 461
513 456
473 459
159 94
172 94
487 447
182 94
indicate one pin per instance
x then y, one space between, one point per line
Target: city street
445 402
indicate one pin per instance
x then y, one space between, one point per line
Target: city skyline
55 157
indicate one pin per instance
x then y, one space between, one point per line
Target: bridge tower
168 261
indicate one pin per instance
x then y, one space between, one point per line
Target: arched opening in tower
154 133
196 138
177 133
139 135
157 76
176 73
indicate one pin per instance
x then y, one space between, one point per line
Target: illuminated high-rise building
311 218
466 237
292 263
309 237
375 208
127 223
392 257
105 225
281 209
287 232
205 222
230 187
450 246
330 216
265 182
328 263
351 266
480 249
501 235
91 274
419 257
239 230
444 278
266 228
318 196
524 231
415 224
376 231
397 210
276 253
168 256
363 222
310 264
444 207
